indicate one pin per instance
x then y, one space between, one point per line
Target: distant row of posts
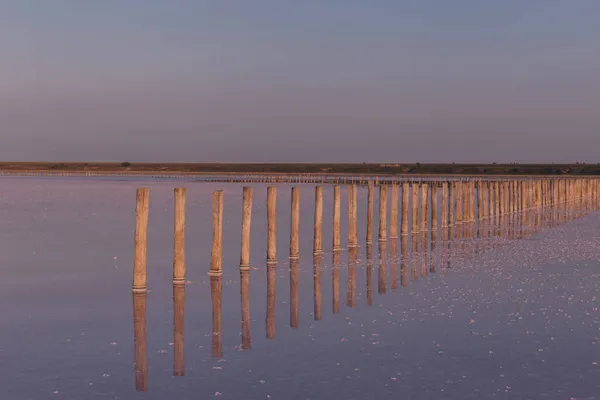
462 203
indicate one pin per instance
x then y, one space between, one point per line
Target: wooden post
246 221
318 228
271 225
405 199
295 223
178 329
352 234
139 337
434 207
179 238
394 213
141 234
336 218
216 265
444 205
382 213
424 208
415 208
370 201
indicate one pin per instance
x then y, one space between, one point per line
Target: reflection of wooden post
403 261
294 311
424 255
270 319
394 264
394 213
382 287
318 229
141 232
295 223
139 337
245 297
370 201
178 329
351 289
414 258
216 294
415 208
369 269
179 238
271 225
216 265
382 213
405 199
336 218
352 235
317 295
335 275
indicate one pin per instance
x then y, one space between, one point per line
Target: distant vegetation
317 168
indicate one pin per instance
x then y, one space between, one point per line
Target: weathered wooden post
179 329
382 213
216 265
352 233
318 228
336 218
216 272
295 223
424 208
179 238
245 268
139 337
394 213
415 208
405 200
141 234
370 204
271 225
434 207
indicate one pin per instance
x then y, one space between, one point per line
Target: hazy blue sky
311 80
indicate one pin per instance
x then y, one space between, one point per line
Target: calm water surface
515 319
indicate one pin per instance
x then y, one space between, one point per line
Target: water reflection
483 222
178 329
139 335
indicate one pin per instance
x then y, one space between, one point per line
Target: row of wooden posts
459 203
457 200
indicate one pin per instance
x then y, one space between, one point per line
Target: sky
300 81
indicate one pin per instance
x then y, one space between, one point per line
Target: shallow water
505 318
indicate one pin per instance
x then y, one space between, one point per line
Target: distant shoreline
318 169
